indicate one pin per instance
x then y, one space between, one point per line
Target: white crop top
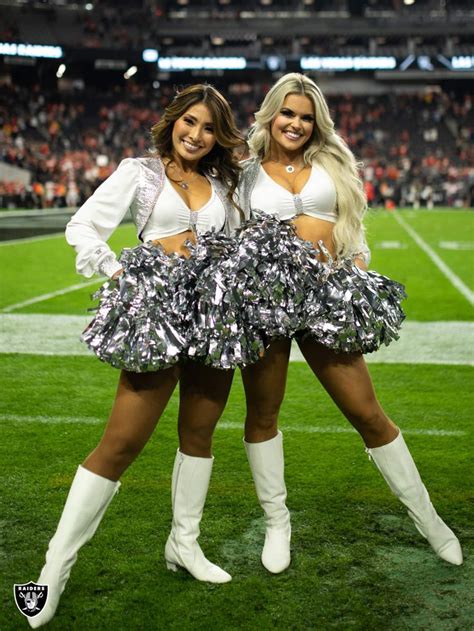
92 225
317 198
172 216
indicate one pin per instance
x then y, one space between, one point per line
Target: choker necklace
289 168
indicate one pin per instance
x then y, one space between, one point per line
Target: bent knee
195 441
196 429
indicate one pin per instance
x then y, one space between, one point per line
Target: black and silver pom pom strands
142 321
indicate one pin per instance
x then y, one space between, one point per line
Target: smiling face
293 126
193 134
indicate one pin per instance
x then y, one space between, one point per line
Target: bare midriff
175 243
315 230
307 228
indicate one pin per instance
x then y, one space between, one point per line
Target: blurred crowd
416 150
138 24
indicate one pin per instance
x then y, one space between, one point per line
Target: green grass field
357 560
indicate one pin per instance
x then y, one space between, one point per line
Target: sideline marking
38 212
335 429
52 294
440 264
449 343
310 429
51 420
441 343
43 237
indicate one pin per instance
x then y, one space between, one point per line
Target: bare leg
347 381
203 395
139 403
264 384
140 400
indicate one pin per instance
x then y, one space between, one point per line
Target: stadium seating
70 143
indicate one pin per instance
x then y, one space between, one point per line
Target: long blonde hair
326 148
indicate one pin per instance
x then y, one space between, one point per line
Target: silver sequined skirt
142 320
270 284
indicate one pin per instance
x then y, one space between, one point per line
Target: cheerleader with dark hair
180 193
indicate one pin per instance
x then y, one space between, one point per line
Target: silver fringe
142 320
269 283
220 336
350 310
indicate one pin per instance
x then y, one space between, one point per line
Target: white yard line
226 425
449 343
43 237
51 420
52 294
424 343
440 264
336 429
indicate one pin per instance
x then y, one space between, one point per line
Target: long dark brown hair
220 161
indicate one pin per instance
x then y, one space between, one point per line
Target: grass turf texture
357 561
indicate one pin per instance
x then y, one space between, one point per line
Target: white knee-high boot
86 503
267 465
189 487
396 465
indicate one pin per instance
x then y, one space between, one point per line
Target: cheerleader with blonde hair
299 271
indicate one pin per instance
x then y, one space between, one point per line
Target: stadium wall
12 173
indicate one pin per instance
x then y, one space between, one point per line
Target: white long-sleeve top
137 184
95 221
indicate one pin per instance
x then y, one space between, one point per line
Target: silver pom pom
269 283
141 322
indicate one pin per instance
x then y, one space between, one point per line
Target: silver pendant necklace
185 185
181 183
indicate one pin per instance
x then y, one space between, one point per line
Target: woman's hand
117 274
361 264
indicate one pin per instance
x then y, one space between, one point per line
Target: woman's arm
94 222
362 254
361 262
